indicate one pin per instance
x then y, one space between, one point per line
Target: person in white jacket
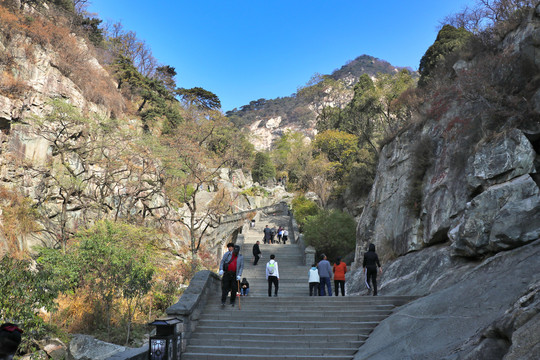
313 279
272 275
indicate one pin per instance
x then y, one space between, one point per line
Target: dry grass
72 56
17 218
11 87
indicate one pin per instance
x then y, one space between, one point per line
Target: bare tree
196 180
485 14
126 43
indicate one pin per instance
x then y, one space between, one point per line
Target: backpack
271 268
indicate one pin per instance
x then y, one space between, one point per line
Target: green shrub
263 169
256 191
302 208
331 232
24 293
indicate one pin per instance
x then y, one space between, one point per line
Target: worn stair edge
207 356
275 343
240 349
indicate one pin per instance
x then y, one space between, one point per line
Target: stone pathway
290 326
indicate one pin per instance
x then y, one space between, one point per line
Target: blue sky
243 50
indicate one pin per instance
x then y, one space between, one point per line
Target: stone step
307 302
207 356
288 324
269 341
292 326
243 350
295 316
246 331
276 307
280 338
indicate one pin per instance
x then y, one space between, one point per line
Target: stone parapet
309 256
189 307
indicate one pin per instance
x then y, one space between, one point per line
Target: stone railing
308 251
190 305
243 215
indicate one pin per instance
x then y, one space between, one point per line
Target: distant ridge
296 109
365 64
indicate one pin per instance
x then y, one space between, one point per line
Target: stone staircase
290 326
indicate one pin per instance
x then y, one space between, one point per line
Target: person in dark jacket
244 287
267 235
256 252
230 267
10 338
371 262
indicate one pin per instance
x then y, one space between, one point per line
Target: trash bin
167 343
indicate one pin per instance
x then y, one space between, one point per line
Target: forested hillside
298 108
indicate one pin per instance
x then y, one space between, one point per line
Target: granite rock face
504 216
444 176
498 293
455 216
30 163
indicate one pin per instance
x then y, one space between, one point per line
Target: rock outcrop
469 312
455 215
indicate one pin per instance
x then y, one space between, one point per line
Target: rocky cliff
455 215
52 160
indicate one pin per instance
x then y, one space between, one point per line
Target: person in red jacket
339 269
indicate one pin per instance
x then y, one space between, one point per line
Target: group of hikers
271 233
319 275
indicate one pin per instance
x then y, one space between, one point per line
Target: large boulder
514 336
85 347
500 159
503 217
443 323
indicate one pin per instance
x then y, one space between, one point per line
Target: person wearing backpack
230 267
272 275
313 279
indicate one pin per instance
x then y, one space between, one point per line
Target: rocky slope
455 215
44 61
268 120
